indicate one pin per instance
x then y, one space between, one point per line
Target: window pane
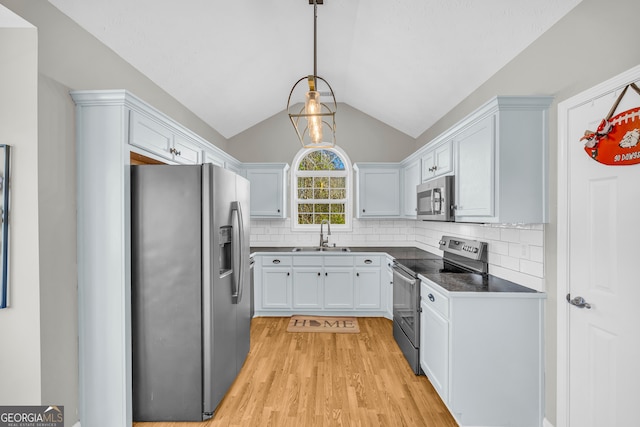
338 182
305 219
337 219
305 182
321 182
321 160
320 194
305 194
321 207
337 207
305 207
317 219
337 194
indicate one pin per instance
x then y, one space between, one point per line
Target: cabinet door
428 161
338 288
186 152
434 349
475 172
438 161
307 287
150 135
411 179
368 288
379 193
443 159
276 288
266 192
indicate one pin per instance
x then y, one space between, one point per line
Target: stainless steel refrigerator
189 288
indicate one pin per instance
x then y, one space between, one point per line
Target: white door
600 262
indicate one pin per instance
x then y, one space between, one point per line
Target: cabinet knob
318 273
278 210
363 210
288 273
367 261
276 261
326 274
358 274
431 298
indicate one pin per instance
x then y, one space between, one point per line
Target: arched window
321 188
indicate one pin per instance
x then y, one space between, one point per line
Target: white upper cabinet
410 180
501 162
476 170
437 161
154 136
268 189
378 190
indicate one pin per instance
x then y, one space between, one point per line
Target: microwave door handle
431 199
436 201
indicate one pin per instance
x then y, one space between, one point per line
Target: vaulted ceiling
233 63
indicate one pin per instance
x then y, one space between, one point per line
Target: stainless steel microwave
435 199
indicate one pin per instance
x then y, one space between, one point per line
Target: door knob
578 302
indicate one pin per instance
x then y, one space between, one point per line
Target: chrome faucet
324 242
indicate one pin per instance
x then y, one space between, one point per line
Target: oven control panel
472 249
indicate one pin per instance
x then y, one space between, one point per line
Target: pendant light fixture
315 122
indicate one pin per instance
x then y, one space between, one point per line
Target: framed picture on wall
4 226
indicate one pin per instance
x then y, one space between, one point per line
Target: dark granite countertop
469 282
400 252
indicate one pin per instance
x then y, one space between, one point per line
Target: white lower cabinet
338 288
483 353
274 273
276 289
434 357
307 291
312 284
368 295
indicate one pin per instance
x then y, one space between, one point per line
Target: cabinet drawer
312 261
276 260
434 299
366 261
338 261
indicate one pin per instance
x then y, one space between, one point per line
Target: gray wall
362 137
20 355
57 225
594 42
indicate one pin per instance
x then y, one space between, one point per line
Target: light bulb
314 122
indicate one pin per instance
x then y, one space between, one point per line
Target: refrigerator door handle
239 278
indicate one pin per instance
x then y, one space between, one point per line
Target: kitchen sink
322 249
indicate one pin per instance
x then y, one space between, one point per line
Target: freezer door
166 293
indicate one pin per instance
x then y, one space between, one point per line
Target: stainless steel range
459 256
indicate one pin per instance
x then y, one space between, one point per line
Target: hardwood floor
326 379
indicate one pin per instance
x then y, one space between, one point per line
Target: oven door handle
409 279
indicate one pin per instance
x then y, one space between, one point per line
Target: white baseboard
546 423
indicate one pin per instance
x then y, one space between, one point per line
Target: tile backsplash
516 251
